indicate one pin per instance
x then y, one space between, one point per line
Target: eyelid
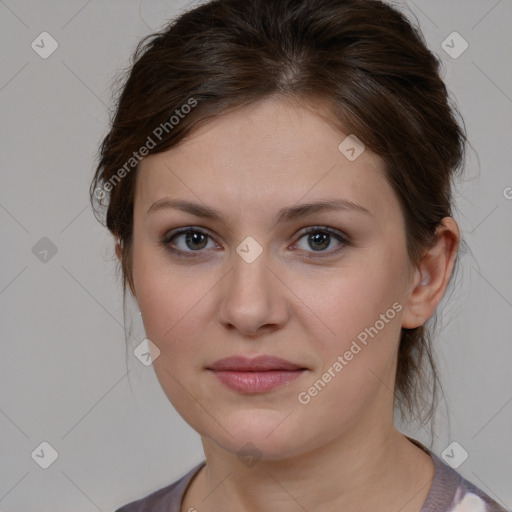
326 229
342 238
166 239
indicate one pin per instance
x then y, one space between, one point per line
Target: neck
378 469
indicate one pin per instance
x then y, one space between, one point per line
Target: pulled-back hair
362 58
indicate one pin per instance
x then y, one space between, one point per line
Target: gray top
449 492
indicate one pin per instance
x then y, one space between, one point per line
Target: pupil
317 238
193 239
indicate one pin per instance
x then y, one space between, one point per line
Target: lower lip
256 382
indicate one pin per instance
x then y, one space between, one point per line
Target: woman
278 180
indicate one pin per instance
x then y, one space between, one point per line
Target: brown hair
362 57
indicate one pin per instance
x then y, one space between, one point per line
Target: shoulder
470 498
451 492
166 499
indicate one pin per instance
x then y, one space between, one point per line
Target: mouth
257 375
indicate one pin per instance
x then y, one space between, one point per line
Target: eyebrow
285 214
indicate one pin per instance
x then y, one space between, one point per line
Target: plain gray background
63 378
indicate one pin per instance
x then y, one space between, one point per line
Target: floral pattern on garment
466 500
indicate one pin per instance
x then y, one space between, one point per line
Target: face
322 288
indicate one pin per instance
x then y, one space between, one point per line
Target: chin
258 434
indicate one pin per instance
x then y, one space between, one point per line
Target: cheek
174 304
357 354
157 294
353 298
358 319
170 309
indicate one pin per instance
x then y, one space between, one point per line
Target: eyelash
344 241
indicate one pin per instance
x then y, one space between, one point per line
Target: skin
247 165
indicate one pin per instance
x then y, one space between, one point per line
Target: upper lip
257 364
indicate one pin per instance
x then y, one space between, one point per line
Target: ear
432 275
119 253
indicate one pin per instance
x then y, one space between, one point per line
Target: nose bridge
252 296
249 278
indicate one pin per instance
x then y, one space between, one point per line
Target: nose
253 299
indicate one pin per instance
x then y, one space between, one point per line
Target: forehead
267 154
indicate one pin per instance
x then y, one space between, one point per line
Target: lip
256 375
262 363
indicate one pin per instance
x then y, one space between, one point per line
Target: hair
362 58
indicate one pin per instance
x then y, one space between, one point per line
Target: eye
191 240
320 238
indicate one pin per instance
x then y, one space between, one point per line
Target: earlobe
119 253
432 276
